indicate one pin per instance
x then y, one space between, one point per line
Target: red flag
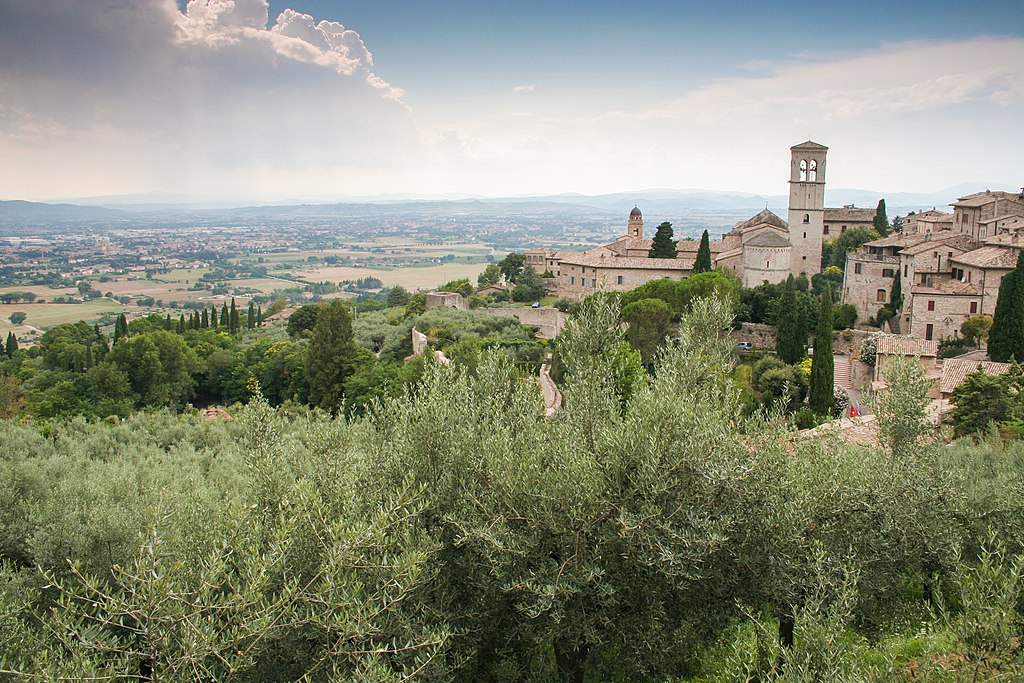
853 411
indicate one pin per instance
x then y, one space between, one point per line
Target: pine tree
1006 338
822 398
790 333
663 246
12 344
120 328
703 262
250 318
881 221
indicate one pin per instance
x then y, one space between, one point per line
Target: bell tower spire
635 227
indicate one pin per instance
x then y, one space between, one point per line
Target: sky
315 99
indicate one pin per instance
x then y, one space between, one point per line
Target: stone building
986 214
926 222
838 221
871 271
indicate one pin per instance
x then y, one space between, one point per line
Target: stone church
763 248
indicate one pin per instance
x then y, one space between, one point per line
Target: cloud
142 95
914 99
526 87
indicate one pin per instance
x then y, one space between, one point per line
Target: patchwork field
47 315
424 277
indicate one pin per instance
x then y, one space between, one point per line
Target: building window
931 304
929 331
572 280
814 170
904 270
880 295
803 170
619 280
856 268
767 265
974 307
888 272
804 258
805 234
825 230
807 219
843 230
593 283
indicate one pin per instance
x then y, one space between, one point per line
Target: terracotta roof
765 217
953 287
989 257
808 145
943 240
983 198
1003 217
694 246
768 238
622 244
849 214
1005 239
898 345
897 239
598 258
955 371
738 251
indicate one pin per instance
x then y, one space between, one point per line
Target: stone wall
449 299
548 321
760 335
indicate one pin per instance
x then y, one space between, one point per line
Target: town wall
548 321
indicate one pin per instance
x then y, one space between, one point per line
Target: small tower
806 206
635 228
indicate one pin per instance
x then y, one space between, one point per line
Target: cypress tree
703 262
250 318
663 246
881 221
181 324
225 320
790 334
896 300
822 397
330 356
120 328
168 325
12 344
234 324
206 318
259 315
1006 338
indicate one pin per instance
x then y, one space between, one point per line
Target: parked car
536 304
744 346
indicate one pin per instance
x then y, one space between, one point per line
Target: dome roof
635 213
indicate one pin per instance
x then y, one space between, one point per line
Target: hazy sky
292 98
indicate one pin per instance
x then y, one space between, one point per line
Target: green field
44 316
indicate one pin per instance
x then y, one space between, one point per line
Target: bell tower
806 206
635 227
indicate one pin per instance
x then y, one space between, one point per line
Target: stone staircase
843 374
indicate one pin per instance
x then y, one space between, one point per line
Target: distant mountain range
653 202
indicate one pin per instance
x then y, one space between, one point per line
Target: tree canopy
663 246
702 264
1006 337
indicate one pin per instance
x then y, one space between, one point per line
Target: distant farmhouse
950 265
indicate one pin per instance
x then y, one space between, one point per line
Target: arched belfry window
814 170
803 170
807 218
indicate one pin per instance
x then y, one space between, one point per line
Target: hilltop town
944 267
